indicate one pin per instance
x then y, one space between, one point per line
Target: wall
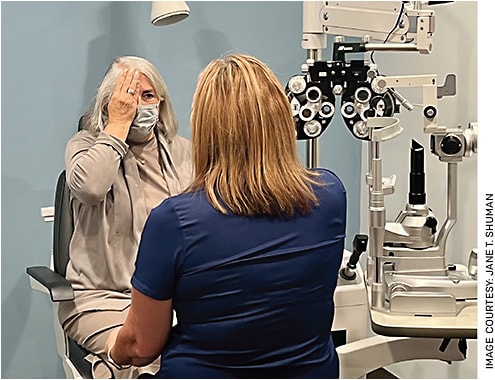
53 56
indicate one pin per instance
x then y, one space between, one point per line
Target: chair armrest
59 288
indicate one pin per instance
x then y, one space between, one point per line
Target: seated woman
125 160
249 255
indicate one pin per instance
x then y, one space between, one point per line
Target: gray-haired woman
124 161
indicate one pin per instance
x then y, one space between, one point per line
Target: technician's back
253 296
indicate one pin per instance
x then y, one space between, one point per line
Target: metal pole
312 146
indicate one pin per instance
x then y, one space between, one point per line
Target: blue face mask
144 122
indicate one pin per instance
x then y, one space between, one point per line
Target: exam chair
53 281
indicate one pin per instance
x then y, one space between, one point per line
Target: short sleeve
159 251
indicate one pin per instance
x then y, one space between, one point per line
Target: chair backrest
63 226
63 223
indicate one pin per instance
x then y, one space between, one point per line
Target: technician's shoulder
331 193
165 211
330 179
184 206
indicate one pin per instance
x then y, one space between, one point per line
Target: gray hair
96 117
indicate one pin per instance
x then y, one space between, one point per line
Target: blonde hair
244 141
96 118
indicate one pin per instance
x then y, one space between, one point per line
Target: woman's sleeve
92 164
159 254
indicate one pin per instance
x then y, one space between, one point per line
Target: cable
397 22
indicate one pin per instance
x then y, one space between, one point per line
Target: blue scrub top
253 295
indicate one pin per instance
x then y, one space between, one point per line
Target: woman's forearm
125 350
145 331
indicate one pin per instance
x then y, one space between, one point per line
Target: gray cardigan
109 214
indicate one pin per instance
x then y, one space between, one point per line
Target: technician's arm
144 333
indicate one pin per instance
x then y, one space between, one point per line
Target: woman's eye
148 96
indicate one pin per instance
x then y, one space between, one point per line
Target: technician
249 255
